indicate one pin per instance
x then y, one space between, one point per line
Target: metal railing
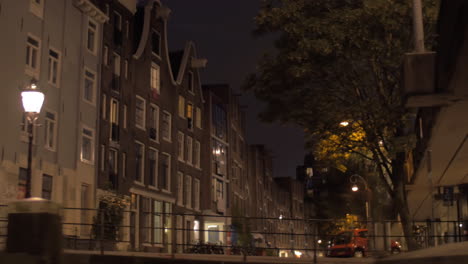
94 229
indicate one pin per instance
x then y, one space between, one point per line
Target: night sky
222 32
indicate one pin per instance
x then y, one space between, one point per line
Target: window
158 222
104 106
126 69
87 145
124 121
105 56
51 130
107 10
155 43
166 126
180 146
117 21
22 182
181 106
219 158
189 115
196 194
155 80
188 149
180 188
116 59
196 154
89 86
54 67
37 7
33 56
198 121
154 123
219 189
124 164
103 156
139 161
219 121
188 191
113 161
91 42
47 187
165 169
114 119
190 82
153 166
127 29
140 112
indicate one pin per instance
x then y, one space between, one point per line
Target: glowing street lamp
355 188
32 99
344 123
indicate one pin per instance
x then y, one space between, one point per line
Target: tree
340 60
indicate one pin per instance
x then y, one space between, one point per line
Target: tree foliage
340 60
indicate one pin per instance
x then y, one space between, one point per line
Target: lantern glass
32 101
355 188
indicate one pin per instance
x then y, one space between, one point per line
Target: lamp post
32 99
354 179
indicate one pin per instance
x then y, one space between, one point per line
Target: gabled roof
175 58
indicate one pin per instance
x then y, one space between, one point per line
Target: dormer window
156 43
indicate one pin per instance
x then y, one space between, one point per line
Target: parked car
349 243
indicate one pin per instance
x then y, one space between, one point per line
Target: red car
349 243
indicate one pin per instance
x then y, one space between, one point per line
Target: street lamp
354 179
32 99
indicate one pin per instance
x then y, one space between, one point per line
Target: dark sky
222 32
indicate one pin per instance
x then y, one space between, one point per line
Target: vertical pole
315 242
29 170
101 212
418 26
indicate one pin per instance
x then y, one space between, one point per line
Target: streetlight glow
32 101
344 123
355 188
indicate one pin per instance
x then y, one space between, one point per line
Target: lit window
87 145
114 119
198 118
54 67
140 112
51 131
91 42
155 79
37 7
181 106
189 115
89 86
33 56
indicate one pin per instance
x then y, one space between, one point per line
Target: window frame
92 141
197 154
180 188
155 79
188 191
44 176
158 54
189 149
196 191
140 178
58 60
198 117
94 87
156 167
169 137
143 118
30 47
95 31
46 134
181 107
154 121
180 146
168 179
